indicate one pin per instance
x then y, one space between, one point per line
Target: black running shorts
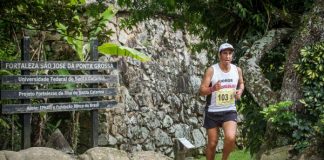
216 119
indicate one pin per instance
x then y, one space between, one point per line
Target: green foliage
235 155
103 19
319 127
210 20
75 37
280 116
76 22
286 124
4 124
8 49
254 124
311 69
10 132
38 14
76 2
52 127
75 42
282 123
9 124
244 44
99 24
113 49
311 65
49 127
272 65
301 126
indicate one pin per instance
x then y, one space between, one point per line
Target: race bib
225 97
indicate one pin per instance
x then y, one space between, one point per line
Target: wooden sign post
26 117
94 113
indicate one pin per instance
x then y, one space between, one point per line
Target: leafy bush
254 124
232 20
286 126
9 124
311 69
302 126
280 116
10 132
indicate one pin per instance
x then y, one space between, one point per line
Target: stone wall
160 98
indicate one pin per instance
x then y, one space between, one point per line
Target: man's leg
229 128
212 143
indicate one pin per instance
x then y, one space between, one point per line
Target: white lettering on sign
33 79
22 65
83 66
32 108
46 65
46 93
26 94
97 92
70 65
102 65
82 92
68 93
57 65
62 107
58 79
49 107
94 105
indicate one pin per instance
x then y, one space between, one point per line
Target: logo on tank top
226 80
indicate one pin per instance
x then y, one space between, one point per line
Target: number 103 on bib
225 97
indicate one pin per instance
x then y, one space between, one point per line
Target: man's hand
216 87
238 94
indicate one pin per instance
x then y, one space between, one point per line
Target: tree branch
255 81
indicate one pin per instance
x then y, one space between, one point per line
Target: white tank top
223 99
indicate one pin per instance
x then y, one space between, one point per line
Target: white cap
225 46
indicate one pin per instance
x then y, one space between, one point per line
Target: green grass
236 155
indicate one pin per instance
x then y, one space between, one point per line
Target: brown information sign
54 65
58 93
56 107
59 79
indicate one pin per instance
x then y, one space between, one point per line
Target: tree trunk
256 83
310 32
